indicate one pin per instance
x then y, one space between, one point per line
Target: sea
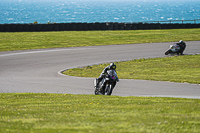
91 11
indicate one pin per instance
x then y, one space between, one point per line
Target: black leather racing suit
103 73
109 67
182 47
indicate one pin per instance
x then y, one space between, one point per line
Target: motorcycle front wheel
95 92
167 52
108 90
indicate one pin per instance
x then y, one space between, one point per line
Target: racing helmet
181 41
112 66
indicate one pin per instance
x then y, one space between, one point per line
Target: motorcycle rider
109 67
182 45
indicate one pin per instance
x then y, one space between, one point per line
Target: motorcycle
174 48
107 84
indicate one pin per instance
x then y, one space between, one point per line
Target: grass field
61 113
56 113
36 40
175 69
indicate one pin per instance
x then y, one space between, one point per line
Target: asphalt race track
37 71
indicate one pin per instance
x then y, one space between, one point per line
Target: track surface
36 71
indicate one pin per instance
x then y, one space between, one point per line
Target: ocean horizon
90 11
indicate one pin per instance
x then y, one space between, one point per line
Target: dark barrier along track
92 26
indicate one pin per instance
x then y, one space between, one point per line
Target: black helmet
112 66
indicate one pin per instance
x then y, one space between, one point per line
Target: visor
113 67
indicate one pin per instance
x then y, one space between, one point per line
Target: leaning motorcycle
107 84
174 48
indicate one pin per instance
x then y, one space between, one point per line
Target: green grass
36 40
51 113
40 113
175 69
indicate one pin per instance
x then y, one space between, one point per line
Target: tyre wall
92 26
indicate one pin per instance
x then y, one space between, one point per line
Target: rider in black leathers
182 45
109 67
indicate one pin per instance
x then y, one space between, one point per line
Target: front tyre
167 52
108 90
95 92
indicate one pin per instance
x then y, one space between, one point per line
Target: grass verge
46 113
83 113
175 69
37 40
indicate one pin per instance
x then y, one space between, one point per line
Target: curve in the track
35 71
